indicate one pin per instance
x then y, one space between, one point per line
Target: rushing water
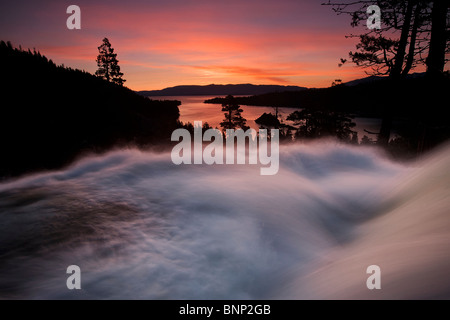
140 227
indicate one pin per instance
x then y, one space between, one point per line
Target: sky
185 42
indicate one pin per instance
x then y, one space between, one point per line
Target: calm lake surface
193 109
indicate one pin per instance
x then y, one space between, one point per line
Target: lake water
193 109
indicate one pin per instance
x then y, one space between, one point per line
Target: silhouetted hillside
417 97
370 79
219 90
415 108
50 114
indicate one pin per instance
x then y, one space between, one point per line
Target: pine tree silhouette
108 67
233 117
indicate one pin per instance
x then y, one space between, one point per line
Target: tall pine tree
108 67
233 118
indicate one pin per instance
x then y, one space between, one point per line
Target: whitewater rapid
140 227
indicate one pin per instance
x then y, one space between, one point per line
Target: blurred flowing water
140 227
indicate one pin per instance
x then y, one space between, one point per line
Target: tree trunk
412 41
400 55
396 72
385 130
436 54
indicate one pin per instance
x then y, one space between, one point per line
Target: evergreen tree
108 67
440 37
233 117
409 29
314 123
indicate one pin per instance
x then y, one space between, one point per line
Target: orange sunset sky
183 42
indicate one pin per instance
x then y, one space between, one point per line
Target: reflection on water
140 227
193 109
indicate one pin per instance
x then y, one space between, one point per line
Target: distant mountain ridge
220 90
246 89
370 79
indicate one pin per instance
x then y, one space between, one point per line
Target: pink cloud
254 40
